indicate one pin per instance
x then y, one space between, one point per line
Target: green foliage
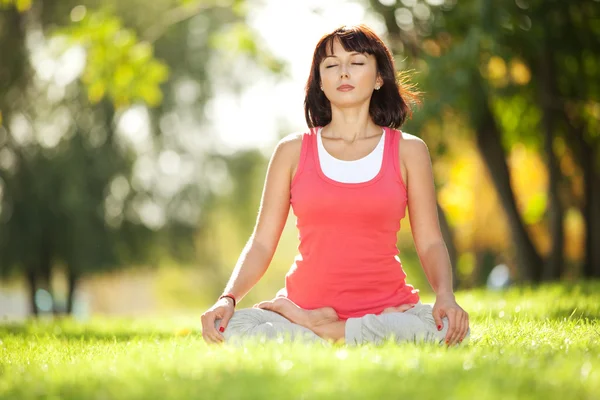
523 71
526 343
21 5
118 65
60 208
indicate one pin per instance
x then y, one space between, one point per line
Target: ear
379 81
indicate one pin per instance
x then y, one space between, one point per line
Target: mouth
345 88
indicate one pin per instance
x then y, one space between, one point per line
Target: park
140 143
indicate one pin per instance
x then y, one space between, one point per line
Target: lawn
526 343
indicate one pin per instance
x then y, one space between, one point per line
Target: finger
225 321
208 324
461 329
458 329
209 338
437 317
215 339
465 328
455 324
451 325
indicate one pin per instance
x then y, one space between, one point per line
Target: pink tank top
348 257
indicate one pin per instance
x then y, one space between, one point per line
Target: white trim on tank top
355 171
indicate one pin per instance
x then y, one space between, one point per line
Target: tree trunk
449 239
586 153
45 268
14 65
591 216
554 263
529 261
73 281
547 91
32 287
587 143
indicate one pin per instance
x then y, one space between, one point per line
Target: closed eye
335 65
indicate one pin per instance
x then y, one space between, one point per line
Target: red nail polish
221 329
439 327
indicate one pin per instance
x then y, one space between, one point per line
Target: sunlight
134 126
267 106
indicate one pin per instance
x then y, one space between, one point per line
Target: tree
480 58
76 199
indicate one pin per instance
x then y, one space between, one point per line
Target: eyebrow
352 54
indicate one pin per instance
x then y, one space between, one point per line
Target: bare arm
429 242
258 252
272 215
424 222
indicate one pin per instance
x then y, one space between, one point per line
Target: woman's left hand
458 319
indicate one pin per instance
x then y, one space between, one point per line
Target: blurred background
135 136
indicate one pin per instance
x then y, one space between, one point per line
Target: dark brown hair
388 105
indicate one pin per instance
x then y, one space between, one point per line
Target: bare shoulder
413 148
291 141
289 146
288 151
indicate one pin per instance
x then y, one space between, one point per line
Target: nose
344 73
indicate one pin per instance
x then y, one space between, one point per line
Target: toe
267 305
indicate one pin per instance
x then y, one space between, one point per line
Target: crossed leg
322 321
281 317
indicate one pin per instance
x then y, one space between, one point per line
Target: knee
241 320
246 320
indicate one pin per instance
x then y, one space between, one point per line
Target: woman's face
348 78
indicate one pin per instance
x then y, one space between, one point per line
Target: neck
351 124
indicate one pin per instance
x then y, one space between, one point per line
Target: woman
349 181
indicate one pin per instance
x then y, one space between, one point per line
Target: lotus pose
349 180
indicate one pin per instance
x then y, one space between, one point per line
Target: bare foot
307 318
401 308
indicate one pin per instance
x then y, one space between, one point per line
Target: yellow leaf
432 48
23 5
123 76
151 95
496 68
96 92
183 332
157 72
519 72
121 101
141 52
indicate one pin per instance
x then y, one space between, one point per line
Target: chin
349 101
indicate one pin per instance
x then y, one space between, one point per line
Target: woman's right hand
223 309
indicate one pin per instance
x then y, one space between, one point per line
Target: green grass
526 344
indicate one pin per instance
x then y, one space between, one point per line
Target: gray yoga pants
414 325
